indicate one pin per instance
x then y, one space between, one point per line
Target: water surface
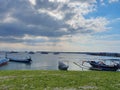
50 61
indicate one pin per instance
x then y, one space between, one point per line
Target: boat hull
62 66
3 62
103 67
21 61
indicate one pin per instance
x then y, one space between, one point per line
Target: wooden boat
102 66
3 61
27 60
62 66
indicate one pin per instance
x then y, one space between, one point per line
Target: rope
81 66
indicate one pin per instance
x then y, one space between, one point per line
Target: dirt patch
88 88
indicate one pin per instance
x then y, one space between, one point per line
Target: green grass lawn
59 80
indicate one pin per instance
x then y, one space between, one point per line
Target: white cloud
55 14
48 18
50 25
105 2
33 2
91 25
9 19
102 2
112 1
115 20
59 1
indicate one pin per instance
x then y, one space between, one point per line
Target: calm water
50 61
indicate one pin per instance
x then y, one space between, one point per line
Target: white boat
27 60
3 61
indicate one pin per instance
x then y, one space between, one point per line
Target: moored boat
44 52
62 66
27 60
56 53
3 61
102 66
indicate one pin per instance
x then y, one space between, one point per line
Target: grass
59 80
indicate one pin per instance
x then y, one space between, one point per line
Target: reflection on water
50 61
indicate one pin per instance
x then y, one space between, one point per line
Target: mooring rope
81 66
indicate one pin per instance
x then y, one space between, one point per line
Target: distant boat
62 66
3 61
102 66
31 52
26 60
44 52
56 53
13 52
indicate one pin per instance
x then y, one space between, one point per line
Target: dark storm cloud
10 40
26 15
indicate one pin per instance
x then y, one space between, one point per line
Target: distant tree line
104 54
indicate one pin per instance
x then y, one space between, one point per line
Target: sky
60 25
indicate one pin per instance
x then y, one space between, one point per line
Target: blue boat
3 61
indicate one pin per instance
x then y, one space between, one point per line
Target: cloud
106 2
51 19
33 2
115 20
113 1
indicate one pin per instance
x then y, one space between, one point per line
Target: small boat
3 61
102 66
56 53
27 60
62 66
44 52
31 52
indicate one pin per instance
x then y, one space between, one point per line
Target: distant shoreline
55 52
